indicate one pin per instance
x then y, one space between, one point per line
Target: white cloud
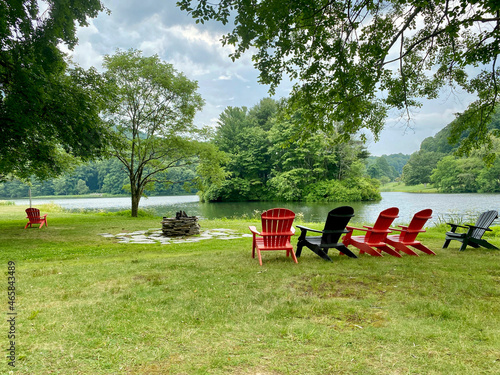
159 27
88 56
192 34
243 79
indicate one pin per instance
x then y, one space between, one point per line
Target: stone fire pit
180 225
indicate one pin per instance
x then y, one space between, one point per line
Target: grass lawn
89 305
400 186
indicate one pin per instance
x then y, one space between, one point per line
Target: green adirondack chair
473 235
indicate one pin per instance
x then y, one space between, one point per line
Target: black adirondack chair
474 232
335 225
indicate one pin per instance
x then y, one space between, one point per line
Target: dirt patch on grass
166 368
341 287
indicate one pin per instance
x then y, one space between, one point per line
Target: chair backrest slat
276 226
335 224
484 221
416 225
384 221
33 213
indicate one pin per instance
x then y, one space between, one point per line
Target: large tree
46 112
151 109
419 168
352 61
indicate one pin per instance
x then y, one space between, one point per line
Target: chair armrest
335 231
254 230
456 225
305 229
404 228
398 229
355 228
290 232
474 227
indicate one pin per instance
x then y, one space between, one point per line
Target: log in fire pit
180 225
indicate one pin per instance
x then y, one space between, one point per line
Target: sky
160 27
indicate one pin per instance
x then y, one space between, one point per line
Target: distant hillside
439 143
418 167
388 166
437 163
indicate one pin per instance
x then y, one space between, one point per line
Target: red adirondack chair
35 218
276 232
373 241
409 233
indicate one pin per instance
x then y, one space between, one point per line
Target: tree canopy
46 111
454 174
101 177
353 61
151 109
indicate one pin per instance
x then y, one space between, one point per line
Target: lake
445 207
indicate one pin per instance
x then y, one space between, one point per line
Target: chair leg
367 249
446 243
490 246
406 250
400 247
423 248
345 251
317 250
259 256
464 245
390 251
300 245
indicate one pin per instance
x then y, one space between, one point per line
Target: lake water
445 206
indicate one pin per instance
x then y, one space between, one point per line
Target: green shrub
234 190
348 190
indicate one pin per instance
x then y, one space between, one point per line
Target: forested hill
101 177
386 168
437 163
439 143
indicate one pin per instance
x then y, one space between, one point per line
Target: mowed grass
400 186
89 305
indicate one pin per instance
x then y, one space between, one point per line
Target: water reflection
444 206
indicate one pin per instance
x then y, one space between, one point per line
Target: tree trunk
135 193
136 197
